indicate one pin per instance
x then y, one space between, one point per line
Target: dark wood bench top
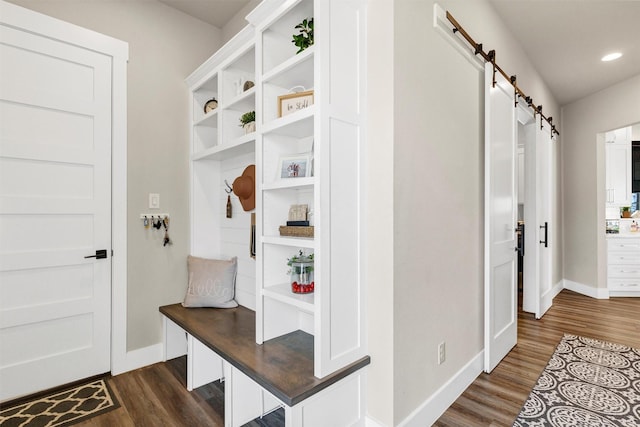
283 366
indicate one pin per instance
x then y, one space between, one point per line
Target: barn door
55 212
500 296
544 295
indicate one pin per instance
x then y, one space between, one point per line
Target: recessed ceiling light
611 56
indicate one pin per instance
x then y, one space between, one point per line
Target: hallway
496 399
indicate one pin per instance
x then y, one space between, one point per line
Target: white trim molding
119 279
432 408
547 297
118 50
139 358
590 291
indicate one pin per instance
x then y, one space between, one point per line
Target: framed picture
296 166
292 102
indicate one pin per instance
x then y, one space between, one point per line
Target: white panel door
543 214
500 328
55 209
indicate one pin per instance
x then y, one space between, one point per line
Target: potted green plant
248 121
305 38
626 212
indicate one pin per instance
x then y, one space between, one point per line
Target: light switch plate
154 201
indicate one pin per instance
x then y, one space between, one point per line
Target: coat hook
229 188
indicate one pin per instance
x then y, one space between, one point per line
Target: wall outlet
441 353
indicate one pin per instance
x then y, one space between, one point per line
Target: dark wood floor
496 399
156 395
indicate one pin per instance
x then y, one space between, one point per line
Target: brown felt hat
244 187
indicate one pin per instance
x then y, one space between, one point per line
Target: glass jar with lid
302 274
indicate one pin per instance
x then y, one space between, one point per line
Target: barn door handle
100 254
546 234
520 239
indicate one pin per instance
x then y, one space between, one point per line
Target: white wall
435 114
165 46
238 21
380 208
584 176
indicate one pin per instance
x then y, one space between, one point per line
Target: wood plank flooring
156 395
496 399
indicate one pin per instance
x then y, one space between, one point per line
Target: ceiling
214 12
565 40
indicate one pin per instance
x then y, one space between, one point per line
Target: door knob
100 254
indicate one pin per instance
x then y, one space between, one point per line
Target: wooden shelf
298 124
243 101
290 184
242 145
210 119
283 294
297 70
296 242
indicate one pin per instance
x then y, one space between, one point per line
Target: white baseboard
427 413
556 289
139 358
547 297
590 291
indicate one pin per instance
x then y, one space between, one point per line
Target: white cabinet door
623 266
618 167
55 209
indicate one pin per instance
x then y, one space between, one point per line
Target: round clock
211 104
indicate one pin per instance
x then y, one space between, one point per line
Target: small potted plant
626 212
305 38
248 122
301 273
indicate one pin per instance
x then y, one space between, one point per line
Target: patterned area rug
586 383
62 408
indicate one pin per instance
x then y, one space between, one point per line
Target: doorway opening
534 188
526 211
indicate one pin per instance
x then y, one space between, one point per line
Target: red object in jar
297 288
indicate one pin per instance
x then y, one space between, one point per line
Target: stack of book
298 224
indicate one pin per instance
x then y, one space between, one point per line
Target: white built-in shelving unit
220 150
331 131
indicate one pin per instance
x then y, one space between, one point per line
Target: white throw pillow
212 282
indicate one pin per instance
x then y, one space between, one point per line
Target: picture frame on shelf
292 102
294 166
